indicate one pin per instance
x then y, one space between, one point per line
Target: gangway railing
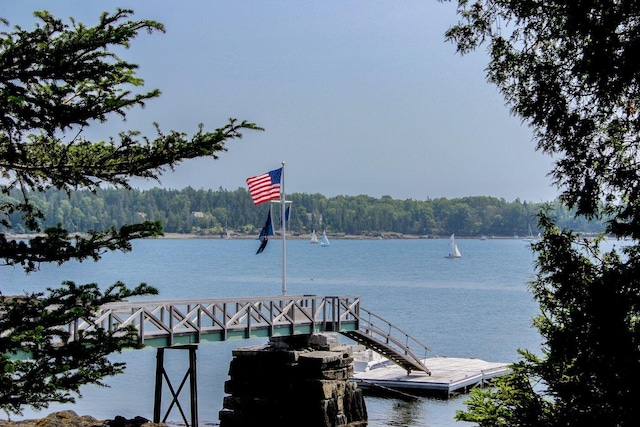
390 341
187 322
184 322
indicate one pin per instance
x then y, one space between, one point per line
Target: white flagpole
284 232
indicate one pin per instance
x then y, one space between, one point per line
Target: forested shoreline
211 212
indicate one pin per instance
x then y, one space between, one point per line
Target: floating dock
449 376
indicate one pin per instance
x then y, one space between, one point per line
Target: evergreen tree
569 70
55 81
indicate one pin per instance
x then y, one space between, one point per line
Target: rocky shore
71 419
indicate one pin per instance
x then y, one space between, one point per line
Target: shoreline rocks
71 419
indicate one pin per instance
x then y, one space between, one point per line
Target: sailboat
324 241
314 237
531 237
453 248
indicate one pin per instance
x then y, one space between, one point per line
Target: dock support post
162 376
157 399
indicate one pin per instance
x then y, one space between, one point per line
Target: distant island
218 213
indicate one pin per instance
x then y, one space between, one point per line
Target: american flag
265 187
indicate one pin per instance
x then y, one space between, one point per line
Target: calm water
476 306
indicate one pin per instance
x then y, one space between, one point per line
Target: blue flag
267 230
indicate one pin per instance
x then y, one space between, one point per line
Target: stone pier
293 381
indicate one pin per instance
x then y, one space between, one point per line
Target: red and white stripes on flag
265 187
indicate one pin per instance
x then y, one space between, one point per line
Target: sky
356 97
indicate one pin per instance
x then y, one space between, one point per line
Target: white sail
453 248
314 237
324 241
530 237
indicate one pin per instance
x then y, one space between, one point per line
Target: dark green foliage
589 368
590 303
57 246
512 402
57 364
55 80
356 215
569 69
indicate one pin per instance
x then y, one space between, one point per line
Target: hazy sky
358 97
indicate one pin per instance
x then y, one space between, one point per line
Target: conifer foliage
569 70
55 81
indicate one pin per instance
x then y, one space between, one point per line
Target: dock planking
449 376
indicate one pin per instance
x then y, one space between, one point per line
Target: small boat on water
531 237
324 241
314 237
453 248
365 359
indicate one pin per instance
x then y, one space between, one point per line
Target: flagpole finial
283 163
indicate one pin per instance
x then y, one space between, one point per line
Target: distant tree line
210 212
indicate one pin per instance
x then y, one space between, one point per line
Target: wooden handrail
195 318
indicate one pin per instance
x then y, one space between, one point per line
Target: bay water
475 306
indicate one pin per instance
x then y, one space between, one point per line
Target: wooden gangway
173 323
183 324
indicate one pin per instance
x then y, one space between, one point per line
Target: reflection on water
406 412
422 412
